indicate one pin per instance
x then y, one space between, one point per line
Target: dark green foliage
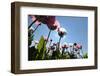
39 52
72 55
85 55
32 53
30 36
41 49
54 55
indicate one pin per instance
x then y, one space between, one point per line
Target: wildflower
79 46
65 46
52 47
54 44
62 32
77 49
51 23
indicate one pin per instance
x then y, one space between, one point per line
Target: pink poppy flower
65 46
50 20
57 24
79 46
52 23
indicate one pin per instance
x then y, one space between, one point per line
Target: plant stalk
32 23
48 36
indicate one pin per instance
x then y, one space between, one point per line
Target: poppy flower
62 32
79 46
51 23
52 47
51 20
54 44
65 46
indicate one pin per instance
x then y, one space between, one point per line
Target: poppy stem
50 43
63 51
82 52
36 28
48 36
49 46
32 23
59 43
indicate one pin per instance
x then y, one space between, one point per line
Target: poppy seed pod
75 44
51 40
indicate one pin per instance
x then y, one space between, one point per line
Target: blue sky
77 30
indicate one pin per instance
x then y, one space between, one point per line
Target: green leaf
41 48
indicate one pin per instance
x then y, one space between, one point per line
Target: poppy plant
63 48
61 33
50 21
52 24
79 46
